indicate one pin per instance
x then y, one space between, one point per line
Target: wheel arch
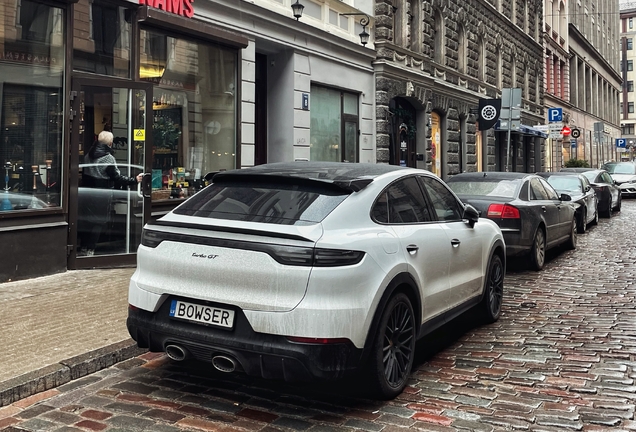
402 282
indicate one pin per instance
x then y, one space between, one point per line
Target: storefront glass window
334 125
31 105
194 108
101 38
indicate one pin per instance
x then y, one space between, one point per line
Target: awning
523 130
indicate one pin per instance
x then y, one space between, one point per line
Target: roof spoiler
354 185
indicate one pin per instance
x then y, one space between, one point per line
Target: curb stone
46 378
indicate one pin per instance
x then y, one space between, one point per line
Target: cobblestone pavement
562 358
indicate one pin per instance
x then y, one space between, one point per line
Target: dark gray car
579 188
607 192
531 214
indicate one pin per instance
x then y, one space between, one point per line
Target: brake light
336 257
503 211
318 341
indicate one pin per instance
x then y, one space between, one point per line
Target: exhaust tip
224 364
175 352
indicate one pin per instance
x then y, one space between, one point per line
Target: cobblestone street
561 358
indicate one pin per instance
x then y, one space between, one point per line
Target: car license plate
202 314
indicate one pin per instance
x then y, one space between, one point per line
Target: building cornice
574 33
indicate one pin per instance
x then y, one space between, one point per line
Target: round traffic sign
565 131
575 133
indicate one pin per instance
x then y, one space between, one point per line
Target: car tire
393 349
619 204
537 253
582 223
572 239
608 213
493 290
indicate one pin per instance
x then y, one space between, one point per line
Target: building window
630 107
499 70
194 108
481 61
628 129
630 43
631 23
630 86
334 125
630 65
461 49
31 107
439 38
107 50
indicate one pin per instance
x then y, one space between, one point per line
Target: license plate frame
202 314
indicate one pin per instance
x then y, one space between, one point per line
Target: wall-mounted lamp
364 22
297 9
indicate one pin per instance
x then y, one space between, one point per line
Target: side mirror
471 215
565 197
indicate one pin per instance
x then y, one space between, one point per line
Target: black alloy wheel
571 243
393 350
582 225
537 253
493 290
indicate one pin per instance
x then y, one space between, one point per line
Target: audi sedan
311 270
580 190
531 214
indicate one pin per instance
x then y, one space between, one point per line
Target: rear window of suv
283 204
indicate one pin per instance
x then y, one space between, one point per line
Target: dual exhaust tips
221 363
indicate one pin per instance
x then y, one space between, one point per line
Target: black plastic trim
229 230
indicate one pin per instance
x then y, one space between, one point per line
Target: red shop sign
178 7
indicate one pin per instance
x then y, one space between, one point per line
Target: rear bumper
257 354
515 244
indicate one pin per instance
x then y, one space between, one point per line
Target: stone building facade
435 60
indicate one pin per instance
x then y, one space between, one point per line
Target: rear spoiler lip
353 185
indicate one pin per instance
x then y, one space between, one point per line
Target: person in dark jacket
100 172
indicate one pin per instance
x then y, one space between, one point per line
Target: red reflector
131 307
321 341
503 211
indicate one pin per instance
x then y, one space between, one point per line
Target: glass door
107 208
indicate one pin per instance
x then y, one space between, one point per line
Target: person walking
100 172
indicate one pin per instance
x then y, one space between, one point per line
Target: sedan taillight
503 211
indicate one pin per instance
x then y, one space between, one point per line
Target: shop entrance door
106 212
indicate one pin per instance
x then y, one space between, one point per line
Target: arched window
481 60
526 17
513 73
439 39
537 86
398 22
499 72
461 49
415 25
526 84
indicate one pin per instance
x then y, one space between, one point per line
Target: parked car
624 174
608 194
531 214
580 190
308 270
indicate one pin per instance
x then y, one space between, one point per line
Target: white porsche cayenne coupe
311 270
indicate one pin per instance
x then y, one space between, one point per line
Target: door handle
412 249
455 243
144 188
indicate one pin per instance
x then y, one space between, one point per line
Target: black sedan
607 192
531 214
579 188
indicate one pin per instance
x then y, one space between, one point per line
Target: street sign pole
509 124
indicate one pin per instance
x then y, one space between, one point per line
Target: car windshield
490 187
565 184
283 204
620 168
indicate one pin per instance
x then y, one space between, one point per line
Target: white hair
105 137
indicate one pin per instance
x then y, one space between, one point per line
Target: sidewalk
61 327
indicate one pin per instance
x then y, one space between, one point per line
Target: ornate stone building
435 60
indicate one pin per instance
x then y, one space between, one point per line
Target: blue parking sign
555 114
621 142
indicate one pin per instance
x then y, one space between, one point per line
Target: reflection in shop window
194 111
31 107
101 38
334 125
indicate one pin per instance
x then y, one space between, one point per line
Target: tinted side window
607 178
444 203
549 190
537 191
402 203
